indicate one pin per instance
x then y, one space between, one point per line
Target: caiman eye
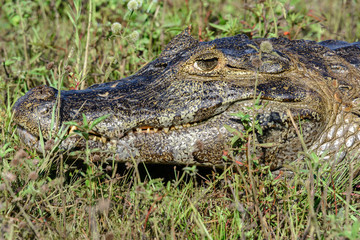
206 64
43 110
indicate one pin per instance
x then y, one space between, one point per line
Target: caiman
174 110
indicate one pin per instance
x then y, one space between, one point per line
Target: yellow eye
43 110
206 64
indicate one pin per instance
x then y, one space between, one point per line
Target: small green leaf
35 58
85 135
259 129
224 28
72 123
230 129
355 229
71 17
98 120
234 139
85 122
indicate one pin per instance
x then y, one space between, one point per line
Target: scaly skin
173 110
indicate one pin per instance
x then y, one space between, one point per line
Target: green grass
74 45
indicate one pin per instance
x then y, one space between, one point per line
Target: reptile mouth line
138 130
30 138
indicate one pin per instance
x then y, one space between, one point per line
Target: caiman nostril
43 92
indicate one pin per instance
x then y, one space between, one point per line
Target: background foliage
74 44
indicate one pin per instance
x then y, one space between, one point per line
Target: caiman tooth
146 129
98 139
92 137
72 129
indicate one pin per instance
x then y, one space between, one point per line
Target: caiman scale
173 110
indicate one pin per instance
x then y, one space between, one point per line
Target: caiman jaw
139 130
30 139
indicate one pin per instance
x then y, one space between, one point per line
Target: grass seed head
68 68
96 158
256 62
21 154
266 47
49 144
35 161
50 65
45 188
9 176
116 27
15 162
134 5
140 2
33 175
109 236
134 36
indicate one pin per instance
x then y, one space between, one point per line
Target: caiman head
175 108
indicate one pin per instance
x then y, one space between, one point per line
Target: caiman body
175 108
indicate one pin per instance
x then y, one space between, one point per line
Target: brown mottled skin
174 109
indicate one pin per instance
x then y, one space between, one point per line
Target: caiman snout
34 109
43 92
